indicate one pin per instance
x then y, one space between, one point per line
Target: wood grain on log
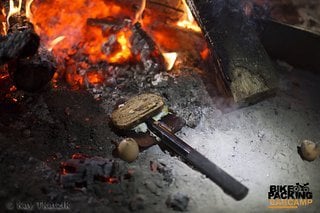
244 62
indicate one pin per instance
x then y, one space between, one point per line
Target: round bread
136 110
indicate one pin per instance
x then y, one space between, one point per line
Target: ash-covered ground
257 145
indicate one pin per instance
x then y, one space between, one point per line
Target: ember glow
83 34
69 19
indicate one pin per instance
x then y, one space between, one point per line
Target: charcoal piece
20 44
178 201
108 21
33 73
166 172
109 24
143 46
84 171
242 60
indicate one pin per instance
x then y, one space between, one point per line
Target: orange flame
4 24
95 78
187 21
28 8
63 26
124 52
55 41
13 9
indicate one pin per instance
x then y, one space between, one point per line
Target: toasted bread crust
136 110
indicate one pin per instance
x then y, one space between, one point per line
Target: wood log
148 51
29 66
20 44
33 73
243 62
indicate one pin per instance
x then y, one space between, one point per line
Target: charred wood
33 73
147 49
29 66
243 61
109 24
20 44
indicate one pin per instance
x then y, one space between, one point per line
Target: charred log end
248 88
19 44
31 43
25 38
32 74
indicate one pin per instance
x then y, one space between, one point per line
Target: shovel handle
227 183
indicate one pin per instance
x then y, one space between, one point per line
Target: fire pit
67 65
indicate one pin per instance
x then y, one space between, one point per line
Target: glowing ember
88 36
95 78
205 53
170 59
124 51
69 19
187 20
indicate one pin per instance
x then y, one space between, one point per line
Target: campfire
89 41
118 105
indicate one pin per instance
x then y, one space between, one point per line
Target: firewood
149 52
29 66
20 44
33 73
243 61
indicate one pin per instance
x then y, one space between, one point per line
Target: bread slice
136 110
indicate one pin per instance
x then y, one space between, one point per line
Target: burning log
147 49
18 45
33 73
29 67
243 61
21 40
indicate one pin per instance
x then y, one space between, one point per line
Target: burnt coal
33 73
83 171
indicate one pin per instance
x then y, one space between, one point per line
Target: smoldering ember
159 106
